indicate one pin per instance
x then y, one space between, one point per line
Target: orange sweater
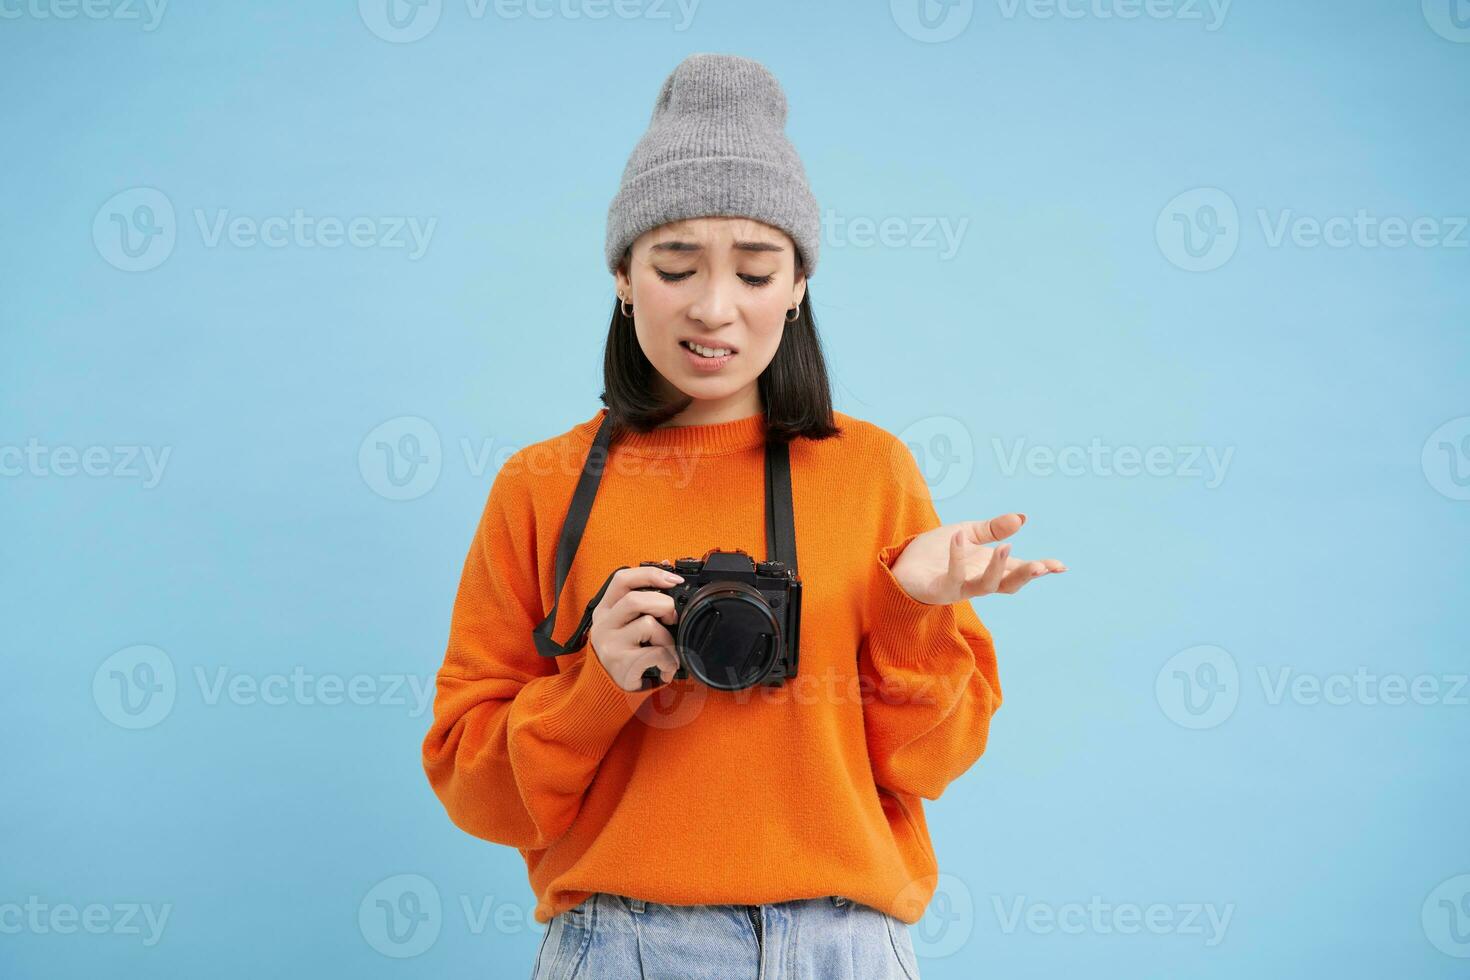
684 794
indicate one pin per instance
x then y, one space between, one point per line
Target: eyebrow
742 245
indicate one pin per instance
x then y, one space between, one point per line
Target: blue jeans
612 937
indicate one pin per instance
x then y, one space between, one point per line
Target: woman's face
723 283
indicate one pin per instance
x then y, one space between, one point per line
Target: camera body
739 620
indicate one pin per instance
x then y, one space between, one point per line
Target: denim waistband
639 905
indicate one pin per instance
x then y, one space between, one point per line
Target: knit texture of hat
715 145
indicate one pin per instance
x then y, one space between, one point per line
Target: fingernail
1023 518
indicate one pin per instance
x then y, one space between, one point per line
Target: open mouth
702 350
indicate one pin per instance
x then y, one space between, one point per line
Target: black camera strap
780 531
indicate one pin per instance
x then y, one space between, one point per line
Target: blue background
1332 543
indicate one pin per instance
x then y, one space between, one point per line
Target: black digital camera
739 620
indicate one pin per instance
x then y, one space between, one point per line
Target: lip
706 364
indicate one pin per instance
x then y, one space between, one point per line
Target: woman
672 827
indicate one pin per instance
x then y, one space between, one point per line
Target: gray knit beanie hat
715 145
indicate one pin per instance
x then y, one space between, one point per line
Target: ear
798 291
622 284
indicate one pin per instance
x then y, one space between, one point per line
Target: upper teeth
708 351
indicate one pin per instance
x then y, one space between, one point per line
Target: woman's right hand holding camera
628 631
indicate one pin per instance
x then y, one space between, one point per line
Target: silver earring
623 305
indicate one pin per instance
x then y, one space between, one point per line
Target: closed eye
755 282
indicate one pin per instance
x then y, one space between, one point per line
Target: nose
715 304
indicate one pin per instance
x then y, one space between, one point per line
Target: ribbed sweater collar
712 439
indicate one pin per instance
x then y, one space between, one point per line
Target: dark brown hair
794 390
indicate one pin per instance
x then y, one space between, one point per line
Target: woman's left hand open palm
955 561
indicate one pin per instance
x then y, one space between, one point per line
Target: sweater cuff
906 631
585 709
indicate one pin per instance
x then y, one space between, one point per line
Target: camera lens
728 635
